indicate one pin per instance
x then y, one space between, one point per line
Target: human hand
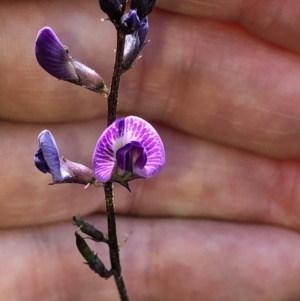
220 221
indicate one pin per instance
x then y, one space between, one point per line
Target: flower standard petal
54 58
52 55
129 148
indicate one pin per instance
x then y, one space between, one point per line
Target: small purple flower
134 44
143 7
128 149
130 22
48 160
54 58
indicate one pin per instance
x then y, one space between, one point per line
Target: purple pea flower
48 160
130 148
54 58
134 44
130 22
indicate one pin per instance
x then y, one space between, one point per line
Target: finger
162 260
275 21
217 83
200 179
224 86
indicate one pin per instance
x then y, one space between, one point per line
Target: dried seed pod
93 261
89 230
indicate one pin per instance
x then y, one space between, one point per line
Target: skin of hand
220 82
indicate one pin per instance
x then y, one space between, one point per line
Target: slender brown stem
108 187
112 100
113 242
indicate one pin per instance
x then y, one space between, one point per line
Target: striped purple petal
132 137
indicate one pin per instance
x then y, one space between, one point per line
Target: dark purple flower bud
128 149
54 58
143 7
48 160
134 44
142 32
131 51
114 9
130 22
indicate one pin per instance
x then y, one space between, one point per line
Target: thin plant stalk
112 103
